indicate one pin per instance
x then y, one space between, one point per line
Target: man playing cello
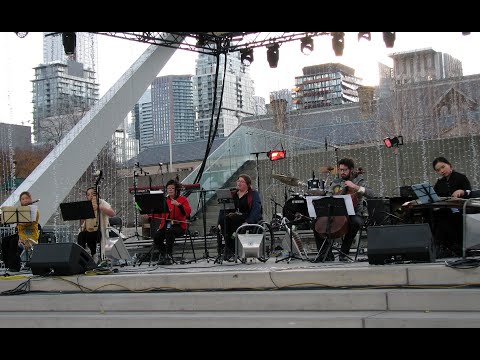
350 182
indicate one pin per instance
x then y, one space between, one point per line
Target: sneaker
95 258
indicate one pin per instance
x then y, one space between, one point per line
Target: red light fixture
393 141
275 155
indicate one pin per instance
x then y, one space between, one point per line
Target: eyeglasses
343 169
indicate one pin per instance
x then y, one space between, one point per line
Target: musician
91 233
172 224
248 210
27 235
350 182
448 223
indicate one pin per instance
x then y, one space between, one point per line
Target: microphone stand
99 217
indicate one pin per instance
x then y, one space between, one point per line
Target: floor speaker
60 259
398 243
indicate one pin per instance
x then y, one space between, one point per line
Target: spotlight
389 39
364 35
272 55
246 56
21 35
201 41
463 33
69 40
393 141
275 155
307 45
338 43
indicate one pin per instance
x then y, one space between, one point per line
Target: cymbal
289 180
326 169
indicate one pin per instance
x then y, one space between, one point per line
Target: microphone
326 144
33 202
313 174
98 173
160 164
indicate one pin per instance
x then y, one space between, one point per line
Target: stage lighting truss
393 141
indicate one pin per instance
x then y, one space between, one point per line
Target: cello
338 224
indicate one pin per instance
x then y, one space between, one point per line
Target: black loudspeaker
60 259
397 243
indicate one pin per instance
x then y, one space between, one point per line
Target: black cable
23 288
463 263
213 129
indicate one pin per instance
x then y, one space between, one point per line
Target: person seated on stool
248 210
90 233
27 235
172 224
448 223
350 182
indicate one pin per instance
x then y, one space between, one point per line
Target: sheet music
33 212
348 204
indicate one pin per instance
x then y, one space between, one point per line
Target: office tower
326 85
237 101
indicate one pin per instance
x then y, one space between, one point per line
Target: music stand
14 214
77 210
291 254
425 193
151 204
329 206
224 196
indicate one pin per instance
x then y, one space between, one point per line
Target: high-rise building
424 65
85 49
326 85
283 94
172 109
238 90
62 93
142 119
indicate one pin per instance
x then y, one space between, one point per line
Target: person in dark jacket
248 210
448 223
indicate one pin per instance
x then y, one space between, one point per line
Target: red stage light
275 155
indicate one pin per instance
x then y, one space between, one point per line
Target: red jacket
175 212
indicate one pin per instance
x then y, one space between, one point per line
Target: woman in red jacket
173 224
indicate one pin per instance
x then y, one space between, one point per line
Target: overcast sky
19 56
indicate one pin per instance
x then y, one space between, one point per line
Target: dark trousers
167 235
229 225
354 224
448 233
11 252
90 239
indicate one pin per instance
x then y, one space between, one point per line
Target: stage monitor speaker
60 259
399 243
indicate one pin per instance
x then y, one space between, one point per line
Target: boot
161 259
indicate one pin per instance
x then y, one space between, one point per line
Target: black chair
116 222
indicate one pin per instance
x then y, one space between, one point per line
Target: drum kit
296 205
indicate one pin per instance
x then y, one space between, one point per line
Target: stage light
21 35
307 45
246 56
364 35
275 155
201 41
69 40
272 55
338 43
393 141
389 39
463 33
